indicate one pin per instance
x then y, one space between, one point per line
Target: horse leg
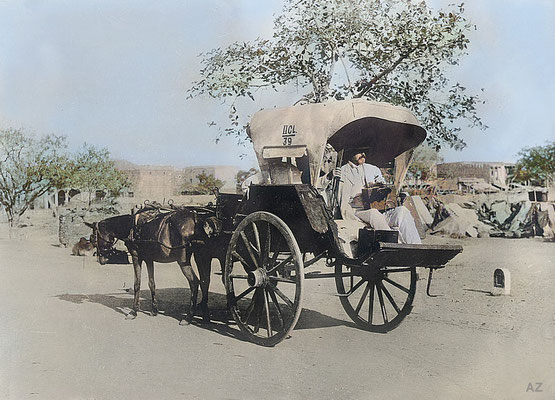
187 270
203 260
152 286
137 287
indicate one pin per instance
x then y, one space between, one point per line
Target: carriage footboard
412 255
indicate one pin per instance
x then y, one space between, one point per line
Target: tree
423 162
536 164
241 176
208 184
395 51
92 170
29 167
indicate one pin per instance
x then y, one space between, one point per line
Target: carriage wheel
376 299
264 278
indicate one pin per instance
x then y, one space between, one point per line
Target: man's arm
373 174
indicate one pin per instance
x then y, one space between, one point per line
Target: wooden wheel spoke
382 304
397 285
258 248
358 284
265 251
249 310
281 264
276 249
237 298
371 303
280 279
280 294
259 310
267 308
362 298
249 247
390 298
276 303
246 265
235 276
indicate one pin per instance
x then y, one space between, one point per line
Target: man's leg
374 218
401 219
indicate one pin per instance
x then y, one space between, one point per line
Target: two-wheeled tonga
282 226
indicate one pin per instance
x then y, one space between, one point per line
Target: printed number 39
287 141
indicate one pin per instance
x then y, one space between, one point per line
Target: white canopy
382 130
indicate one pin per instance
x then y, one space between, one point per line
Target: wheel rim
376 299
264 278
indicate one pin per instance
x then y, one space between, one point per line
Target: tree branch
386 71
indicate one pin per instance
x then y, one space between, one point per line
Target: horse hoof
131 315
184 322
154 313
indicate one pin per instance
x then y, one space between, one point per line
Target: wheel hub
374 274
257 278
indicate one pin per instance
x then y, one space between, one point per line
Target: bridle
110 242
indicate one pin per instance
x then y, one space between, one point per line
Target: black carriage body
300 206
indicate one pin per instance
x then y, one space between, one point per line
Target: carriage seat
347 230
357 238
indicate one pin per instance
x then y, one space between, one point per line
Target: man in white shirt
355 175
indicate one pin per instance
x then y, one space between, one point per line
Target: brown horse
165 237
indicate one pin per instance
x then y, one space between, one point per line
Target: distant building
493 173
155 182
225 173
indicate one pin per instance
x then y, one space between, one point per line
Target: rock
500 211
456 226
423 212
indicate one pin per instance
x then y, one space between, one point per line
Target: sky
115 74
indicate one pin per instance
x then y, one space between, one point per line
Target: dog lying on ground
83 247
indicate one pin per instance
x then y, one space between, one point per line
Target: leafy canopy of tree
423 162
29 167
241 176
397 51
92 169
536 164
208 184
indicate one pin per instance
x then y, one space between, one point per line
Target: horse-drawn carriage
283 227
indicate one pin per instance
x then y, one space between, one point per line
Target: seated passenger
356 175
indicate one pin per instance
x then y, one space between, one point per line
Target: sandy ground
63 334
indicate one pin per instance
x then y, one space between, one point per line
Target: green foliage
241 176
423 161
208 184
536 164
29 167
395 51
92 169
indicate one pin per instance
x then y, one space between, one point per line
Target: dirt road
63 334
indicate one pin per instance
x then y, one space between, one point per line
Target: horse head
104 236
212 227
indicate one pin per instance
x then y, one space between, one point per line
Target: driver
356 175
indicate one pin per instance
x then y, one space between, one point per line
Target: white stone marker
501 282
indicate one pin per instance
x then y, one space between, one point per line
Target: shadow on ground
173 303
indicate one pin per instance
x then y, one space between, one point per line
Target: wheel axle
257 278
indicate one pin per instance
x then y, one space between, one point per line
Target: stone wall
72 226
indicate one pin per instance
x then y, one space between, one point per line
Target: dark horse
165 237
